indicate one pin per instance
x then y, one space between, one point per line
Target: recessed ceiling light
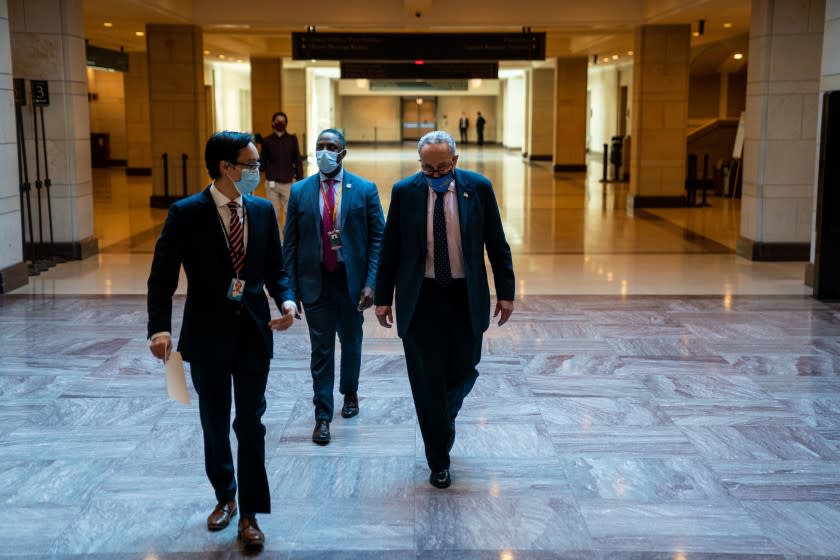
695 33
727 25
108 24
630 53
615 57
222 56
738 56
206 52
140 33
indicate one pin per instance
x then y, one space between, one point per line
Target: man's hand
505 308
366 299
383 314
289 310
161 346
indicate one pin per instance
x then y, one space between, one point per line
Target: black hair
224 146
279 114
338 134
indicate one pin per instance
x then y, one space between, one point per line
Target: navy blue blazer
402 264
361 224
193 236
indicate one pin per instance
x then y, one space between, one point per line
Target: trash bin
616 148
100 149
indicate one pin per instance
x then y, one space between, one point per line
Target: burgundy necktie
237 245
330 256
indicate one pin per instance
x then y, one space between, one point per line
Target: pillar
570 75
780 130
13 273
659 117
47 43
177 108
541 128
137 123
266 92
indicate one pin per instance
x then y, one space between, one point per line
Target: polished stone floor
653 397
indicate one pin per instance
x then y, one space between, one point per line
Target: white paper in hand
176 380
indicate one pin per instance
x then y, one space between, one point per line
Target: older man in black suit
229 245
439 224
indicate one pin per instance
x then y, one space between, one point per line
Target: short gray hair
437 137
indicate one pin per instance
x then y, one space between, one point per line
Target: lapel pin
466 195
349 185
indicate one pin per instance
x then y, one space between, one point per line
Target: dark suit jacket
361 225
192 236
403 260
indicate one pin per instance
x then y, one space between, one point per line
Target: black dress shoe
351 405
440 479
451 435
321 433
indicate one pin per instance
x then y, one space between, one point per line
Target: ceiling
263 27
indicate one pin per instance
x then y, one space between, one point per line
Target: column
780 130
570 76
294 105
137 123
541 113
47 40
177 108
659 118
13 273
266 92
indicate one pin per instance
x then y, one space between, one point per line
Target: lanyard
334 209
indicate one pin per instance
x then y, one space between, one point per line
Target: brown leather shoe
351 405
321 433
249 532
220 518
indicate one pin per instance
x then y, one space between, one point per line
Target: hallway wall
107 109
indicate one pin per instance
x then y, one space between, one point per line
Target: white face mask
327 160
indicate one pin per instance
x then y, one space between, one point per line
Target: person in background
440 222
479 128
463 125
280 158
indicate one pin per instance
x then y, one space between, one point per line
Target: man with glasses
331 248
440 222
229 246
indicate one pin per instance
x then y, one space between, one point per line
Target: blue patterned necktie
443 272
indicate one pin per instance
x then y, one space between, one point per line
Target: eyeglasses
440 169
250 166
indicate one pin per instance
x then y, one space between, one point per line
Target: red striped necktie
236 238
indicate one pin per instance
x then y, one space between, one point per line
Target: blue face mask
440 184
327 160
248 183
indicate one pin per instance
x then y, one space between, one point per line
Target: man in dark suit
440 222
331 247
463 125
229 246
480 121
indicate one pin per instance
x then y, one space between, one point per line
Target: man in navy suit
440 222
229 246
331 246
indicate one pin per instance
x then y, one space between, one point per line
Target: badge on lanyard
335 239
236 289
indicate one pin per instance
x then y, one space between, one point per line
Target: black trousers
248 370
441 354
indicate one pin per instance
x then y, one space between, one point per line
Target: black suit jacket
402 262
193 236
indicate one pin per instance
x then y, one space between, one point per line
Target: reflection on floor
605 424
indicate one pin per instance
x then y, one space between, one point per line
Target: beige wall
266 92
369 118
107 110
449 111
704 95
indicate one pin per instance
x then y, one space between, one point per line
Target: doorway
418 116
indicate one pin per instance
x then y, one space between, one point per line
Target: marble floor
653 397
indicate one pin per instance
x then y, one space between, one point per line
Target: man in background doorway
281 160
479 128
463 125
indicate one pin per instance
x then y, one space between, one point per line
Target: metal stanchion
47 186
184 172
41 262
165 157
26 199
